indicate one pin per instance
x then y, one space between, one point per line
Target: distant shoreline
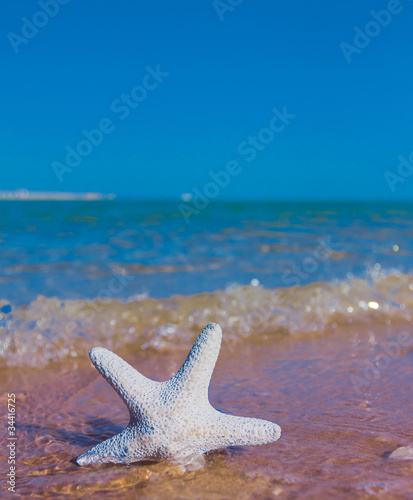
25 195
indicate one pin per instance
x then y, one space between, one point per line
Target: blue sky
200 81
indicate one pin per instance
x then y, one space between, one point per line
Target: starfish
173 420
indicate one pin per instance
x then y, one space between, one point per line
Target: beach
315 302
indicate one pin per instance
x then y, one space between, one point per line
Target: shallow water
315 302
339 422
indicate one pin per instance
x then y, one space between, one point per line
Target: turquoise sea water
297 266
73 249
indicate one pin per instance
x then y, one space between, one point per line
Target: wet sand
340 421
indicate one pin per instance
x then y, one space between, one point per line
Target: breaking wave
49 330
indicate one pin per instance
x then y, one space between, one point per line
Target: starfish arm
196 372
173 420
229 430
133 387
124 447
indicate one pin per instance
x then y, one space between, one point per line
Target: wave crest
50 330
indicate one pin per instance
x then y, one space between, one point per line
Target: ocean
315 301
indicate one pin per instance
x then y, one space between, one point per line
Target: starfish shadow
98 427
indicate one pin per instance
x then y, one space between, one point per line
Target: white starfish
173 420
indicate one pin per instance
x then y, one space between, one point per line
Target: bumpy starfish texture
173 420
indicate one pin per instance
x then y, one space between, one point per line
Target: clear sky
293 98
